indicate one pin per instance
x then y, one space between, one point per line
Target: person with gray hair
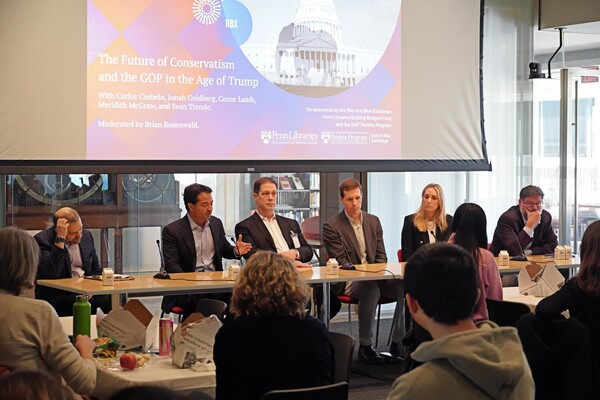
32 337
526 228
67 251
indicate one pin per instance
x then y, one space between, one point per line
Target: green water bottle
82 314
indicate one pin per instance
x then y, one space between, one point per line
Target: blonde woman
429 224
271 343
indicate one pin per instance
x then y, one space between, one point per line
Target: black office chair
336 391
506 313
562 357
209 307
344 348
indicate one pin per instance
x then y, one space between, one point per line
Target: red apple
128 361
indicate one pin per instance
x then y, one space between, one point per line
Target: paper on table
193 340
540 281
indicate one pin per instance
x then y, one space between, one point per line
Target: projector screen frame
29 166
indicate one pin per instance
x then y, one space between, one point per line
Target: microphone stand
522 256
347 265
162 273
238 249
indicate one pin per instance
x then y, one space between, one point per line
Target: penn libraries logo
207 12
266 137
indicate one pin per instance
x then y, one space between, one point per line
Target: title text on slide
166 61
182 79
169 78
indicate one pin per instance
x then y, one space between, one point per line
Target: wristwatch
60 239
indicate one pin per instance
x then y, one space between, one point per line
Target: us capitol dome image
308 57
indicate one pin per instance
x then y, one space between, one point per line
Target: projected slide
243 80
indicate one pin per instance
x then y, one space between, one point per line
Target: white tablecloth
161 373
512 294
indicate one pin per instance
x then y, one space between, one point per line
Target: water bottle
82 314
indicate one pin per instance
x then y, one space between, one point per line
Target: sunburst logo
207 11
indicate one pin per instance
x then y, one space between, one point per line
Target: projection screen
236 85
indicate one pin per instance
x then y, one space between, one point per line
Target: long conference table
211 282
515 266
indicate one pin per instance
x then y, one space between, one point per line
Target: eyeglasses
531 203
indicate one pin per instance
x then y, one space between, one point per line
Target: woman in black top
272 343
581 294
429 224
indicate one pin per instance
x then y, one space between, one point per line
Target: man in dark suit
67 251
356 237
525 228
197 243
266 231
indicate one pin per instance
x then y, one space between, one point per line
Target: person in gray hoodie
464 360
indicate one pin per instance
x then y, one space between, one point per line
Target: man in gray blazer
356 237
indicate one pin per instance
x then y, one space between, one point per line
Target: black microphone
162 273
347 265
520 257
236 246
316 255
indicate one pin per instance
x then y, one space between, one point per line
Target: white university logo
265 137
207 11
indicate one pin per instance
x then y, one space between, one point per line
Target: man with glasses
525 228
67 251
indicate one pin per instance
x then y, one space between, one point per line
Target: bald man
66 251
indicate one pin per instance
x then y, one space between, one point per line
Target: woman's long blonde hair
439 218
269 286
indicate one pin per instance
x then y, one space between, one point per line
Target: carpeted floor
370 381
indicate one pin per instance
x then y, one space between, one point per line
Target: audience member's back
581 294
464 360
271 344
274 353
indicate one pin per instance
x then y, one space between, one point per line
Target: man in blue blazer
197 243
67 251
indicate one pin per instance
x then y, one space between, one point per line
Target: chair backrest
310 228
209 307
506 313
562 357
399 255
344 348
336 391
